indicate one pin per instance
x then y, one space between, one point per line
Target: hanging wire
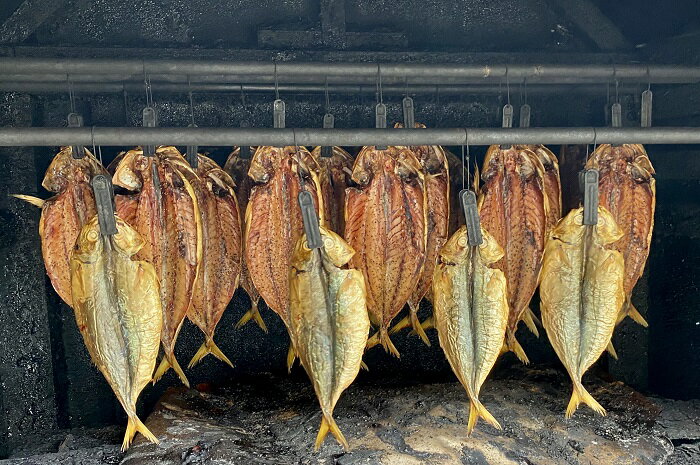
617 91
277 87
463 166
97 152
189 94
380 95
71 93
126 108
648 79
328 100
525 89
507 86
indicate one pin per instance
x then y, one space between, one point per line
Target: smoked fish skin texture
167 216
334 178
582 293
627 189
385 225
65 214
273 222
118 312
513 209
220 267
552 183
471 313
329 321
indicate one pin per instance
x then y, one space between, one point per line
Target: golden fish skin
220 267
334 177
582 293
627 189
329 321
385 225
470 309
273 222
237 168
64 215
552 182
117 308
167 217
513 208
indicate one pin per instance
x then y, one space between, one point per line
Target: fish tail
167 362
476 410
372 341
135 425
531 321
515 347
415 323
36 201
611 350
363 365
637 317
252 314
291 356
329 424
428 323
209 347
178 370
581 395
404 323
385 341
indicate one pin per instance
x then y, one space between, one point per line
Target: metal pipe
127 136
391 72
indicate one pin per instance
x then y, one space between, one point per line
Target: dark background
46 378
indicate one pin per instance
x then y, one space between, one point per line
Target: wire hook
277 88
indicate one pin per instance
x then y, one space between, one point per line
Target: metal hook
277 89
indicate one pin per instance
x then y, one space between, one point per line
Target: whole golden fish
334 177
552 182
220 267
329 322
166 214
117 308
64 215
627 189
237 168
385 225
582 293
513 209
471 313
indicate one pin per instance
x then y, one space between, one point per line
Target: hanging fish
552 182
117 308
220 267
334 177
513 208
627 189
582 292
459 179
237 167
470 309
273 223
385 225
165 212
329 322
64 215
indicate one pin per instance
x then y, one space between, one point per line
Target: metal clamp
590 197
278 114
308 215
150 120
525 116
380 120
409 116
471 215
75 120
328 123
104 201
507 120
646 108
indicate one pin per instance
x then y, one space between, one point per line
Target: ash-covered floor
274 420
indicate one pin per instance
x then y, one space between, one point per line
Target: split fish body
582 293
513 209
329 321
117 307
552 183
166 214
471 313
334 177
385 225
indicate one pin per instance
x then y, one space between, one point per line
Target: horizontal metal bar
342 137
391 72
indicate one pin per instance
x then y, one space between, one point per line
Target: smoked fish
334 177
329 321
166 214
582 292
385 225
552 183
117 307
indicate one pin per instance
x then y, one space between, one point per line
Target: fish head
337 250
131 170
490 250
569 228
407 165
237 167
65 170
89 244
456 249
127 240
265 163
607 229
367 162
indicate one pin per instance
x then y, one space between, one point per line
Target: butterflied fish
334 177
165 212
237 168
470 309
64 215
582 293
552 183
117 309
513 209
385 225
220 267
329 322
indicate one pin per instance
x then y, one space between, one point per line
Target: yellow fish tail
291 357
135 425
167 362
531 321
329 424
581 395
476 410
637 317
36 201
209 347
385 341
611 350
514 346
252 314
428 323
404 323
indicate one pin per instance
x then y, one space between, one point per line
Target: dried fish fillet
552 183
334 177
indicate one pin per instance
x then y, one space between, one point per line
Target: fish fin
531 321
428 323
36 201
178 370
291 357
326 426
476 410
515 347
372 341
132 426
385 341
417 327
363 365
209 347
404 323
167 362
637 317
581 395
257 316
252 314
163 367
611 350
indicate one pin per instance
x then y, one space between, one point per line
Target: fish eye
462 242
93 235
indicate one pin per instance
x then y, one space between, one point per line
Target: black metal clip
590 197
150 120
192 152
75 120
308 214
278 114
646 108
471 215
525 116
380 120
409 115
244 150
104 201
328 123
507 120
